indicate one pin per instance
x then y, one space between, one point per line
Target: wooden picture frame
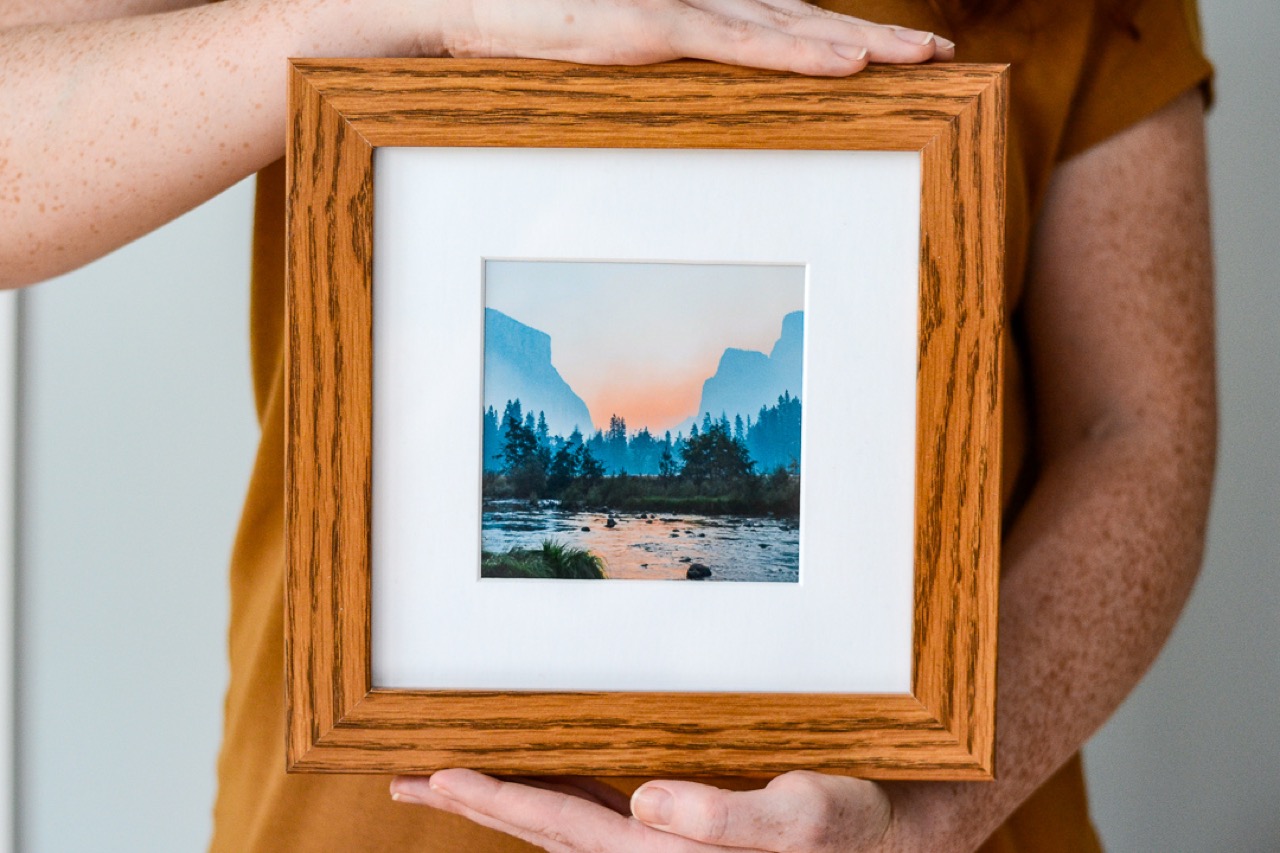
342 111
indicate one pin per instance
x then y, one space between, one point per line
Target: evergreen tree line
771 440
736 466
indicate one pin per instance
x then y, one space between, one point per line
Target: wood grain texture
341 111
327 417
958 423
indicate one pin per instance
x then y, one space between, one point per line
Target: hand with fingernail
790 35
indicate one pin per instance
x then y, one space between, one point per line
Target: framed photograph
643 420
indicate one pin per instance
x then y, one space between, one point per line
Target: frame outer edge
991 111
956 633
997 105
327 470
325 686
299 736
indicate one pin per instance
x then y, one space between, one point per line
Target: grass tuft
552 560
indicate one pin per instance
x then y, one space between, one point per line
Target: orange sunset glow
656 406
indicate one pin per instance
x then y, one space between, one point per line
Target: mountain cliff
517 366
745 380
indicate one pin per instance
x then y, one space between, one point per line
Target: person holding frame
120 114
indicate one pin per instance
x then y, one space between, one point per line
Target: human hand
787 35
799 811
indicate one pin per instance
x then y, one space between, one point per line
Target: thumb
799 810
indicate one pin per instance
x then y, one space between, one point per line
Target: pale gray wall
138 435
1192 761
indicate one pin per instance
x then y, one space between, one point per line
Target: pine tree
543 431
524 460
598 448
513 412
589 468
615 454
492 442
667 467
563 470
774 438
714 457
642 453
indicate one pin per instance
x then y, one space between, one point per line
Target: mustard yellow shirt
1082 70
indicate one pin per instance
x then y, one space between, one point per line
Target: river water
653 546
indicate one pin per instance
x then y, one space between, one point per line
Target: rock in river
698 572
611 522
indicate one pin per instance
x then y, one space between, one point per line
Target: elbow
26 258
33 255
1163 433
15 276
1172 458
44 234
1159 459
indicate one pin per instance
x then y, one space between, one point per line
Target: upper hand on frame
787 35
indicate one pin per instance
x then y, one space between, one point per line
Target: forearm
109 129
17 13
1099 567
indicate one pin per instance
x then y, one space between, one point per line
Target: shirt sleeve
1142 55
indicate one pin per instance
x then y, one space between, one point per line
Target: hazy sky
639 339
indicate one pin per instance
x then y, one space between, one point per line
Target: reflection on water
653 545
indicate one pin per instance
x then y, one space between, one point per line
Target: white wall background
137 436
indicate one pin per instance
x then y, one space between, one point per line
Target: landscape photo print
642 420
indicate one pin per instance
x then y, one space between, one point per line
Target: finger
797 811
696 33
944 48
550 819
417 791
586 787
883 43
603 793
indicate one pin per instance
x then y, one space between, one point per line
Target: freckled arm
1119 317
17 13
109 129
